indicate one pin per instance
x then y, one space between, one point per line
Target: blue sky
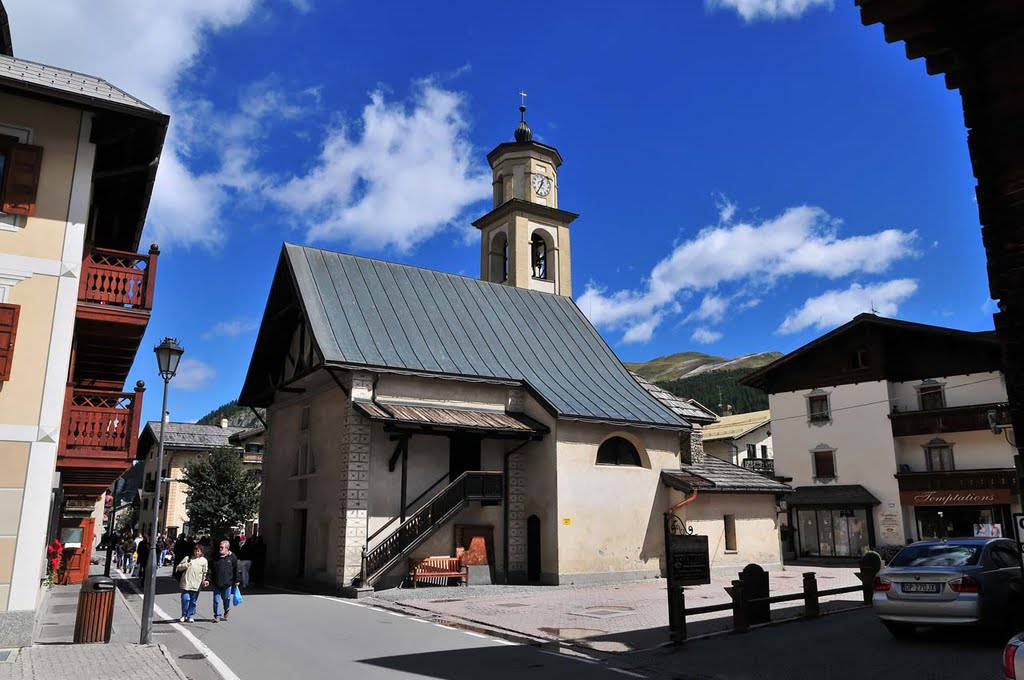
749 173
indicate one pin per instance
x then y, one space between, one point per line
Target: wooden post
677 613
405 476
739 608
154 253
811 610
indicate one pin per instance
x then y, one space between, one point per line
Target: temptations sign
946 497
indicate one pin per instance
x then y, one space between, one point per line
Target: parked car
953 582
1013 658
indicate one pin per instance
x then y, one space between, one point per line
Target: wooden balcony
942 420
98 438
764 466
115 299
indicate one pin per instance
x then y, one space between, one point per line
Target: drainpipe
504 542
671 511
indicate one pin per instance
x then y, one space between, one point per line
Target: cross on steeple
523 96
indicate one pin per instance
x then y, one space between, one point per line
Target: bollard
677 614
810 595
739 608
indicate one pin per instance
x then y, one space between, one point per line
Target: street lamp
168 354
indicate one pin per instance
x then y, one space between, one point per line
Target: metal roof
690 409
69 85
386 316
734 427
185 436
716 475
836 494
441 419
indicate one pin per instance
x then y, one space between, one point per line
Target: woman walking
193 572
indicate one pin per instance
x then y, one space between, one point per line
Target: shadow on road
496 663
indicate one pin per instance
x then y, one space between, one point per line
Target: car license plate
921 587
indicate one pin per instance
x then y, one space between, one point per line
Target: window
1003 557
824 463
8 330
305 461
817 408
858 360
498 257
751 450
253 447
539 256
304 423
145 504
730 533
930 396
19 176
764 450
938 456
618 451
941 555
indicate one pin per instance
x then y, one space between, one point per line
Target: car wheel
899 630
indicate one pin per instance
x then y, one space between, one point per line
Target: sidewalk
615 618
53 656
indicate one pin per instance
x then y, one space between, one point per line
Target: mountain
687 364
238 416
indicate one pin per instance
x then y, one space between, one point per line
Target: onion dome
523 132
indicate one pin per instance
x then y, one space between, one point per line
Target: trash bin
95 610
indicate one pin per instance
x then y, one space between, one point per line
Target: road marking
218 664
469 632
338 600
504 642
567 656
625 672
420 620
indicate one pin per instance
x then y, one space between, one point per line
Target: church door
463 455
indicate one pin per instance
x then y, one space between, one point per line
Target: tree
222 494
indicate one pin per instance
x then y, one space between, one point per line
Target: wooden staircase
449 501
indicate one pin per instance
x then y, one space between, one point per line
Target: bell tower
524 239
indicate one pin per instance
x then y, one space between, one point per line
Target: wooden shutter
21 179
8 329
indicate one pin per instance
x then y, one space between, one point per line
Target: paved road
848 646
281 636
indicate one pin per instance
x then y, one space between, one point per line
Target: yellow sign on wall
567 521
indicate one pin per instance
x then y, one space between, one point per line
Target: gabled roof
185 436
63 84
714 475
376 315
691 409
896 351
734 427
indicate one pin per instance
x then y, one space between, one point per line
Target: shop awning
416 419
831 496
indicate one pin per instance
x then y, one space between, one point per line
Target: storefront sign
689 561
889 523
975 497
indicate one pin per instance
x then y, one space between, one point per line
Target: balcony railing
100 424
119 279
764 466
950 419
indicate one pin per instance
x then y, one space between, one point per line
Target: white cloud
705 336
712 308
397 177
230 329
642 331
193 374
770 10
801 241
836 307
143 47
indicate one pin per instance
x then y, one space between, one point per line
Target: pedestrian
161 547
118 552
129 555
244 558
225 577
143 560
193 572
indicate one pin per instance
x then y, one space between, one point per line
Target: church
415 413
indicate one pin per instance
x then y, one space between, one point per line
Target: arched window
499 258
539 256
618 451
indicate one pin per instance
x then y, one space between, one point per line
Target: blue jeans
221 595
189 600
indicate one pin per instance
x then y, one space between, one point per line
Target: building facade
413 413
77 161
885 428
743 439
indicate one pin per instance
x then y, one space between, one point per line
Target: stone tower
524 239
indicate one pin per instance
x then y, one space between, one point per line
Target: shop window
618 451
930 395
939 456
824 461
818 409
730 532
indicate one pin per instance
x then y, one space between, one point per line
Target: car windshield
942 555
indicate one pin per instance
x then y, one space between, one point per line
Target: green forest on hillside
719 387
238 416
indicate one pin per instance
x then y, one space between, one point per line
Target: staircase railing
469 486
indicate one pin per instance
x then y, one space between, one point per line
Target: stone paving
54 657
620 617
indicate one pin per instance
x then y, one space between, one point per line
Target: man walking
225 577
193 572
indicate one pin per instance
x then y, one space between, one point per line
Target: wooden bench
437 570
